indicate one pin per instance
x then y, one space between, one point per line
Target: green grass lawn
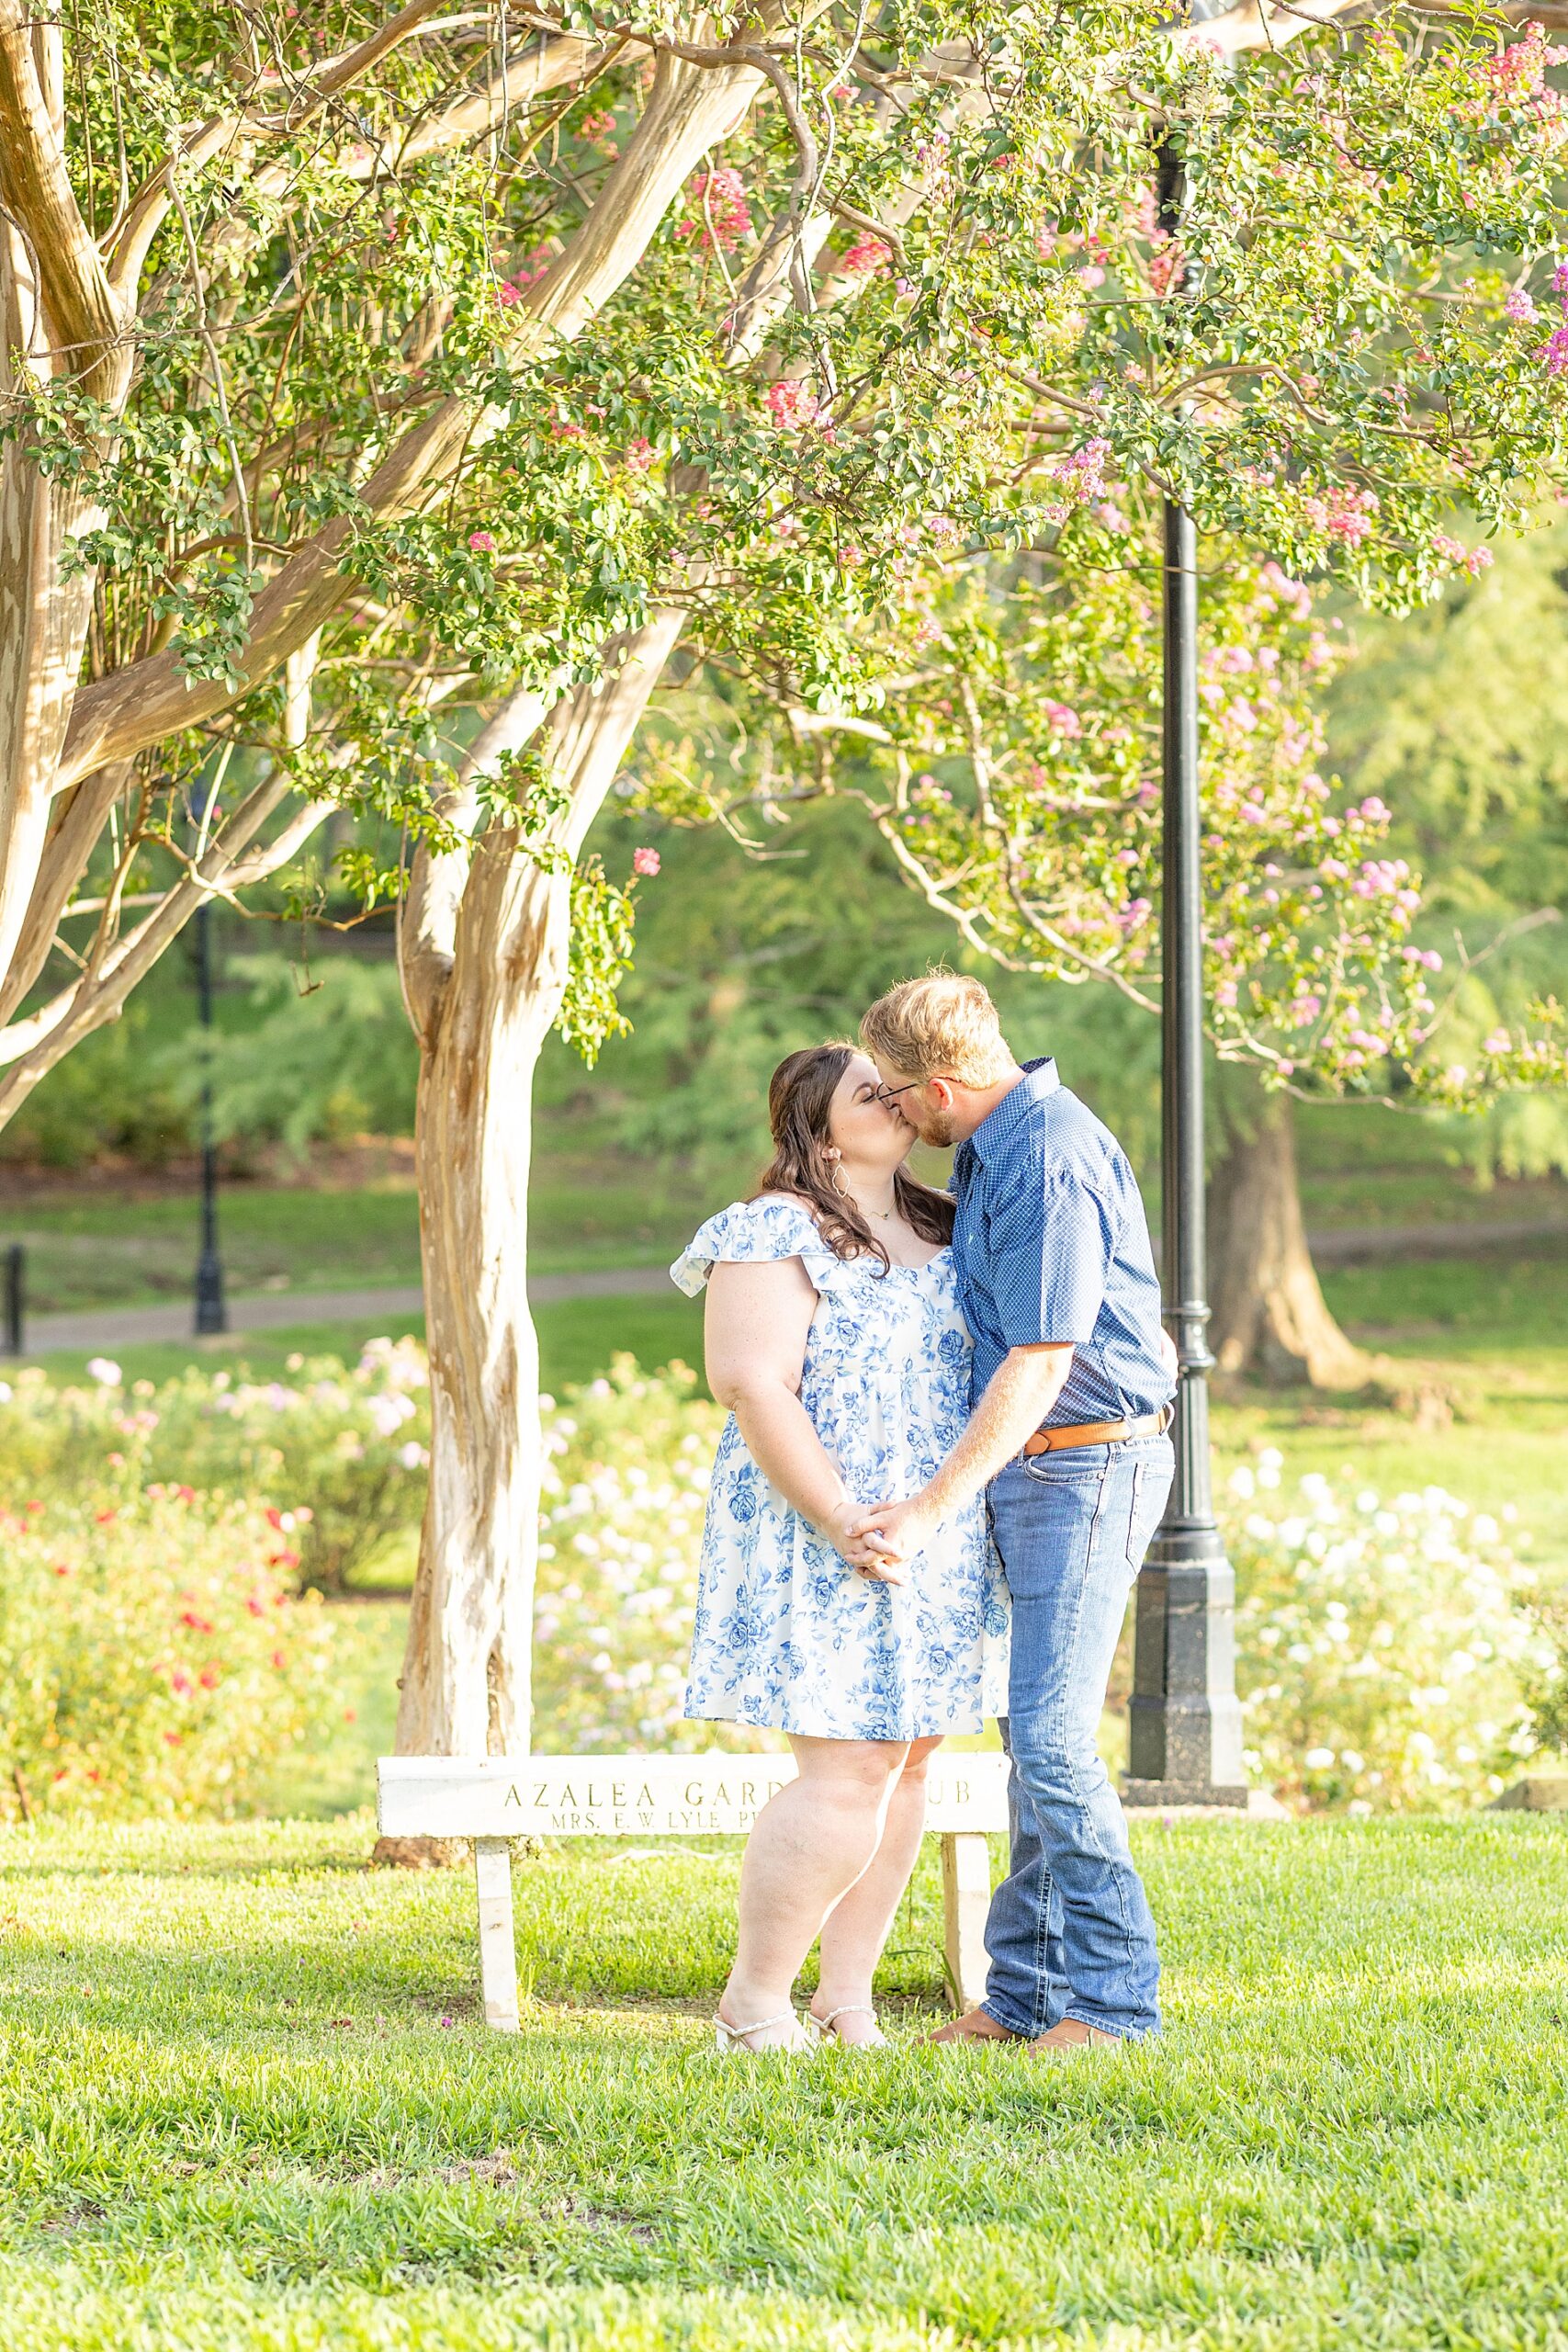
577 1339
99 1241
89 1245
247 2103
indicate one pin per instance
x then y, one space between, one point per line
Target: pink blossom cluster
1061 719
640 455
1167 265
1519 70
1343 514
1387 877
792 406
1281 590
1554 350
529 271
867 257
1476 560
646 861
718 198
1081 472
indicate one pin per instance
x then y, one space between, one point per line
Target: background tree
1331 381
1459 717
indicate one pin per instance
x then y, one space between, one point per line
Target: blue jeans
1070 1933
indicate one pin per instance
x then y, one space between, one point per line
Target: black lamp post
1184 1716
212 1310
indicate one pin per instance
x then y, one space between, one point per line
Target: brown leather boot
977 2026
1065 2039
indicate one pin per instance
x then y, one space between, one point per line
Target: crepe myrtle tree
358 370
299 454
1351 348
275 293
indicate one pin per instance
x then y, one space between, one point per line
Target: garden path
99 1327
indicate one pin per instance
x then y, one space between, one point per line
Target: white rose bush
627 1466
1388 1651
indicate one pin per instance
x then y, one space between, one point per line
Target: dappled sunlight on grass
247 2101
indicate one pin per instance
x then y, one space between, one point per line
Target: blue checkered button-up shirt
1052 1245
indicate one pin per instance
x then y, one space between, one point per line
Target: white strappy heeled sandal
822 2029
731 2040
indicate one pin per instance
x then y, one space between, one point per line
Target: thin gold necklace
887 1216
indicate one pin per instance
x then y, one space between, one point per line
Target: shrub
1546 1685
1389 1655
351 1443
625 1488
1385 1649
153 1653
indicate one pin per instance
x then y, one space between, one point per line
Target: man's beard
937 1129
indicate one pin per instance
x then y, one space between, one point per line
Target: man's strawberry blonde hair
943 1027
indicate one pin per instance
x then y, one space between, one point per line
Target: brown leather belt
1054 1440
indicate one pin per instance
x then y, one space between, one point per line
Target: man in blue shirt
1073 1376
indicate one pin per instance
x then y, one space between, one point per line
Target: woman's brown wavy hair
800 1096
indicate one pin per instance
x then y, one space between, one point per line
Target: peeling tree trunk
465 1681
482 1010
1269 1317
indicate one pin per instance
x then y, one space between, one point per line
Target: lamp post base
1173 1794
1184 1721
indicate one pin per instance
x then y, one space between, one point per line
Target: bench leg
498 1948
966 1899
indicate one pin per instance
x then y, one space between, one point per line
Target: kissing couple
944 1459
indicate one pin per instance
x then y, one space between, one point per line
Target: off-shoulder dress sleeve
753 1233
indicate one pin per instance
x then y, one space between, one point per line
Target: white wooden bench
496 1798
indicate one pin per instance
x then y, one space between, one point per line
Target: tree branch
688 111
131 236
568 59
84 315
1267 24
235 861
65 858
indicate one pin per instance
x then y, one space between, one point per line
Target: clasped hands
880 1539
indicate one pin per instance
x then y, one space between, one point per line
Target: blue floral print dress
787 1635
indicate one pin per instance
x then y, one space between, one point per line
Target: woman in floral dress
834 1337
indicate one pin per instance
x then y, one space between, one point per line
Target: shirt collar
996 1130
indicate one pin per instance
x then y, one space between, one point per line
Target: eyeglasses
886 1094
